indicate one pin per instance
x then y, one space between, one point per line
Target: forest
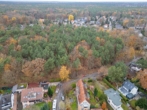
34 48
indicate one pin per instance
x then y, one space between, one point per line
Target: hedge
110 85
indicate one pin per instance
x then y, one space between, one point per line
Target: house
82 96
44 85
113 99
135 67
128 89
19 87
6 101
31 96
92 22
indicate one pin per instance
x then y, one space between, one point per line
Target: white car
57 90
62 97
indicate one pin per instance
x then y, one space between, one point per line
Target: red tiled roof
82 93
31 94
33 85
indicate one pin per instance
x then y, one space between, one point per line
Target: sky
80 0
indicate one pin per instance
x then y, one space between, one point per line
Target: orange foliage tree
143 78
7 67
104 106
64 73
34 67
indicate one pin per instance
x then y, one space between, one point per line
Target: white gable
134 91
85 104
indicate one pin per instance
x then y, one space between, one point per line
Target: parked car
62 97
57 90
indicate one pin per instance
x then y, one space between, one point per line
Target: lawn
74 105
53 88
50 104
40 105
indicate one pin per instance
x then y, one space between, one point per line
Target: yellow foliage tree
70 17
13 19
131 52
64 73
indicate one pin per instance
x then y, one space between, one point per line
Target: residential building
31 96
82 96
113 99
6 102
128 89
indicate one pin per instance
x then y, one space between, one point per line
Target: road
62 85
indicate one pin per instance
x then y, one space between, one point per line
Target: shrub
73 85
142 103
132 103
90 80
124 107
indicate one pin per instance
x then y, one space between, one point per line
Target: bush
90 80
124 107
142 103
73 85
132 103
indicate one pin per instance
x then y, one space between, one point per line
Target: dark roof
5 100
130 96
44 85
128 85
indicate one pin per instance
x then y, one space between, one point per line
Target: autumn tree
34 67
104 105
70 17
143 78
64 73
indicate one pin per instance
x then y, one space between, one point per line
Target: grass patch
50 105
40 105
124 107
74 105
132 103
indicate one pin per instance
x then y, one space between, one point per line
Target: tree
104 106
34 67
61 105
49 64
118 72
45 107
64 73
50 92
70 17
142 103
95 92
143 78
